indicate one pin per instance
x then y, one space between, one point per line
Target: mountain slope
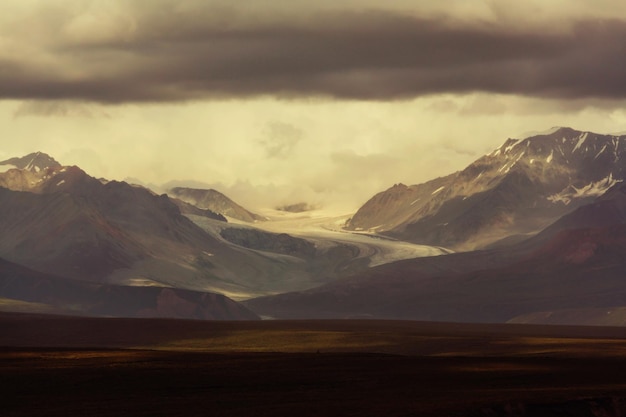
190 209
73 225
215 201
88 230
72 297
577 263
519 188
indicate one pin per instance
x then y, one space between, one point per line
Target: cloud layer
165 51
277 102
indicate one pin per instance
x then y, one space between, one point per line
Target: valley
534 228
70 230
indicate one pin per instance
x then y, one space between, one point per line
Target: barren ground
54 366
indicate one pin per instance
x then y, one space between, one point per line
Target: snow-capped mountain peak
519 188
33 162
563 146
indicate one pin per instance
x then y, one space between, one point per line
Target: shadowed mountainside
71 297
88 229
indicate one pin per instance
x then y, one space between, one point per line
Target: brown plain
59 366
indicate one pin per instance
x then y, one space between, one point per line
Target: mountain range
538 227
58 220
515 191
573 268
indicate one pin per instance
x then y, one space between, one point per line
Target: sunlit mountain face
516 190
548 212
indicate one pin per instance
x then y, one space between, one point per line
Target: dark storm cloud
372 56
53 108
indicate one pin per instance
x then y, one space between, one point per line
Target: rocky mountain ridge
33 162
518 189
215 201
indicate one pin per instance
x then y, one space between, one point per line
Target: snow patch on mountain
593 189
581 140
510 164
30 166
600 153
514 143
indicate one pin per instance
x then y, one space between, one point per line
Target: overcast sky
276 102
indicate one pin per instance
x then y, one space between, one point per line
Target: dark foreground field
109 367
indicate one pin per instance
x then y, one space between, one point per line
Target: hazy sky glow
277 103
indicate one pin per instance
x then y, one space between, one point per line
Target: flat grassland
59 366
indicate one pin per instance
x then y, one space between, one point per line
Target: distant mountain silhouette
34 162
215 201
